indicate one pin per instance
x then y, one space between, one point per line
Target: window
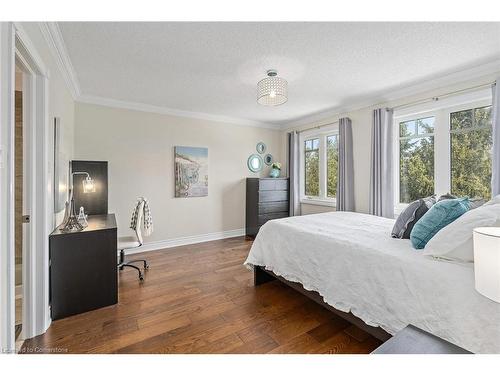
332 162
445 149
311 178
320 163
416 159
471 147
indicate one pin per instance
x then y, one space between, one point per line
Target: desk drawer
270 184
273 196
271 207
277 215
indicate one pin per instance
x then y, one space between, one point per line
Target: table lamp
487 261
71 223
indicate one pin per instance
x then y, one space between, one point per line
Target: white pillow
494 200
454 242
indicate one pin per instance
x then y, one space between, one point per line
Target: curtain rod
317 127
422 101
437 98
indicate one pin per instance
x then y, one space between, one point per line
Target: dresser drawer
271 207
277 215
267 199
271 184
273 195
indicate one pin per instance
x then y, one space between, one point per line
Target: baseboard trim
189 240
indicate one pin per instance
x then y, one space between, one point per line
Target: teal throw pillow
439 215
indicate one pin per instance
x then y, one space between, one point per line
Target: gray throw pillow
475 203
410 215
425 205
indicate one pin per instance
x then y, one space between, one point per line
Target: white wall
62 105
139 147
361 127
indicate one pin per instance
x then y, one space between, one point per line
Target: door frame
15 45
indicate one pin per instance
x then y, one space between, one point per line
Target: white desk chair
133 242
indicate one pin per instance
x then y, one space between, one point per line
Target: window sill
319 202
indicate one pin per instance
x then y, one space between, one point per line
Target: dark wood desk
413 340
83 272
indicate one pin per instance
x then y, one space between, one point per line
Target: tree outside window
332 159
471 148
416 159
467 162
321 165
312 167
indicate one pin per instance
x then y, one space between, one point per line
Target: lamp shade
487 261
272 90
88 185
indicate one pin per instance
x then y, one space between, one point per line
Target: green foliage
416 172
312 167
470 156
471 143
312 173
332 160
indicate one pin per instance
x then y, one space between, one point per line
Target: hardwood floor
200 299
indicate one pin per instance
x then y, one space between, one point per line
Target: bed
352 262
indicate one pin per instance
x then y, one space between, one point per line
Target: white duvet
352 261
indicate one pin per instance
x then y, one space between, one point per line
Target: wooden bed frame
262 276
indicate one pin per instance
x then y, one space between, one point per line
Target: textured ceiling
214 67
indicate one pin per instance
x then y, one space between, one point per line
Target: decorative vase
82 218
275 173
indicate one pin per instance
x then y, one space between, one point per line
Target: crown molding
381 98
55 41
28 53
134 106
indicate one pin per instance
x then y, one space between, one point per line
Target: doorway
19 205
32 262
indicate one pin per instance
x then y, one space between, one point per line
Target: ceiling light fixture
272 90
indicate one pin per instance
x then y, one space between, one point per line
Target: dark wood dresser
83 272
267 199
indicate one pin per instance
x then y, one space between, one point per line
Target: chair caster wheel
141 278
146 267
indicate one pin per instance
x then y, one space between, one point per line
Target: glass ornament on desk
71 224
82 218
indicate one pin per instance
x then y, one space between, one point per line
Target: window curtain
495 121
345 179
381 179
293 173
